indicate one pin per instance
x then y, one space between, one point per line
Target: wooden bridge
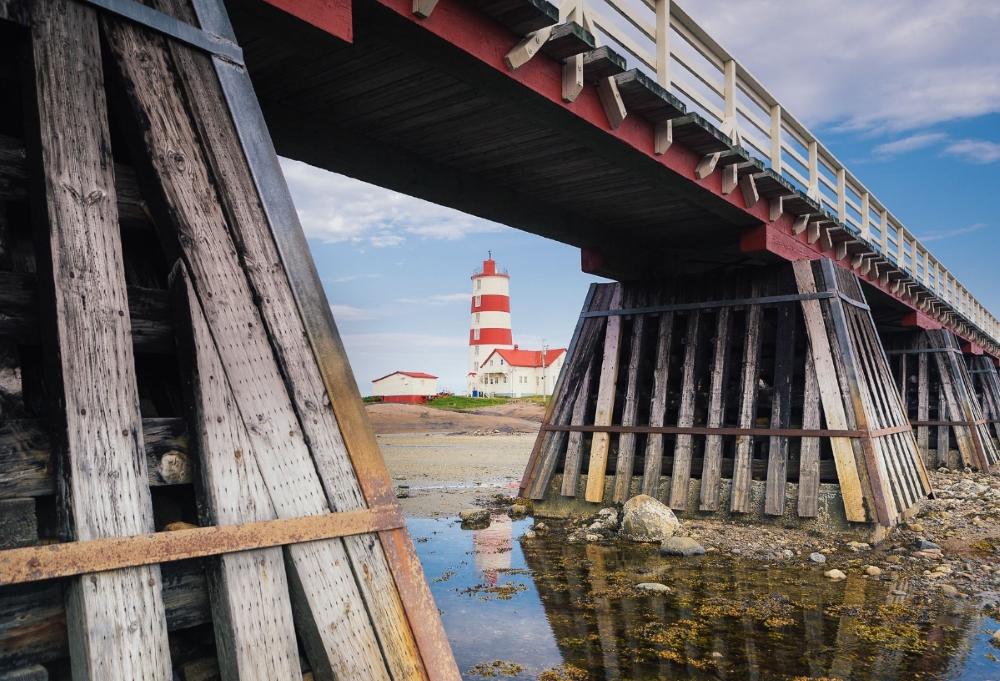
175 391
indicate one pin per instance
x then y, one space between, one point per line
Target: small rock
923 545
916 527
593 537
817 557
948 590
644 519
517 511
403 492
474 515
943 469
873 571
827 551
858 546
681 546
541 528
653 587
835 575
530 534
788 553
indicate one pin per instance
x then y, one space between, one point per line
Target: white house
405 386
519 373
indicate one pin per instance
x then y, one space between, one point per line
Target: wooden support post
658 405
712 469
527 48
781 406
943 432
611 100
706 166
605 402
830 397
574 446
626 442
254 632
681 475
809 452
116 620
923 401
743 465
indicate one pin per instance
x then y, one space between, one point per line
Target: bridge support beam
939 393
771 373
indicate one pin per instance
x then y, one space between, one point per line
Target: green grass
462 403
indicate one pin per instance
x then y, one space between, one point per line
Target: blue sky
906 93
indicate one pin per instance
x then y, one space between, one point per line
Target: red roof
528 358
411 374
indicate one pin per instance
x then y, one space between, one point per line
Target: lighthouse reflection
492 548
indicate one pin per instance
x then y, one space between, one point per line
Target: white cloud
403 344
975 151
863 65
954 232
346 313
907 144
350 277
439 299
335 208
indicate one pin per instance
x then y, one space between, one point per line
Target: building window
501 362
479 284
477 351
477 318
479 301
476 366
475 334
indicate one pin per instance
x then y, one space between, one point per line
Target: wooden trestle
768 373
947 402
153 270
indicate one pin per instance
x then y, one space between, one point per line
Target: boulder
681 546
644 519
474 515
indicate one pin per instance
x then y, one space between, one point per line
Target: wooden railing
661 39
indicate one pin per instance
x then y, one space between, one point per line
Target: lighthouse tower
490 324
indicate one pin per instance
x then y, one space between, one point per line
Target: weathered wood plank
116 620
653 467
18 523
943 432
294 353
781 407
711 474
174 173
26 458
607 381
809 465
923 401
956 405
626 443
743 466
681 474
254 633
829 392
574 444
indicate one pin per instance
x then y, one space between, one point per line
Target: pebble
654 587
916 527
817 557
402 492
949 590
872 571
593 537
858 546
924 544
681 546
835 575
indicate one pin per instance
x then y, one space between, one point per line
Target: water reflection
545 603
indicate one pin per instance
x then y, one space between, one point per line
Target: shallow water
545 604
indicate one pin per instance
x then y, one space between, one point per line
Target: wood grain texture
254 633
809 464
681 474
830 396
781 407
606 386
574 443
27 466
174 172
743 465
297 362
116 620
626 443
18 523
653 467
712 471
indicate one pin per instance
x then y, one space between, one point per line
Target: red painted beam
769 239
918 319
972 348
331 16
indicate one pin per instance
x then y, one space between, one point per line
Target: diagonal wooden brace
527 48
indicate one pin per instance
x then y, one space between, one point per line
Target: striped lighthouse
490 324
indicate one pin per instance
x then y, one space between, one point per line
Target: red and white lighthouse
490 324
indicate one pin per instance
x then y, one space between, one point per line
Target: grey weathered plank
574 444
18 524
681 474
808 506
334 620
26 463
294 353
254 633
712 471
116 620
781 406
653 467
626 443
923 401
743 470
943 432
606 383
